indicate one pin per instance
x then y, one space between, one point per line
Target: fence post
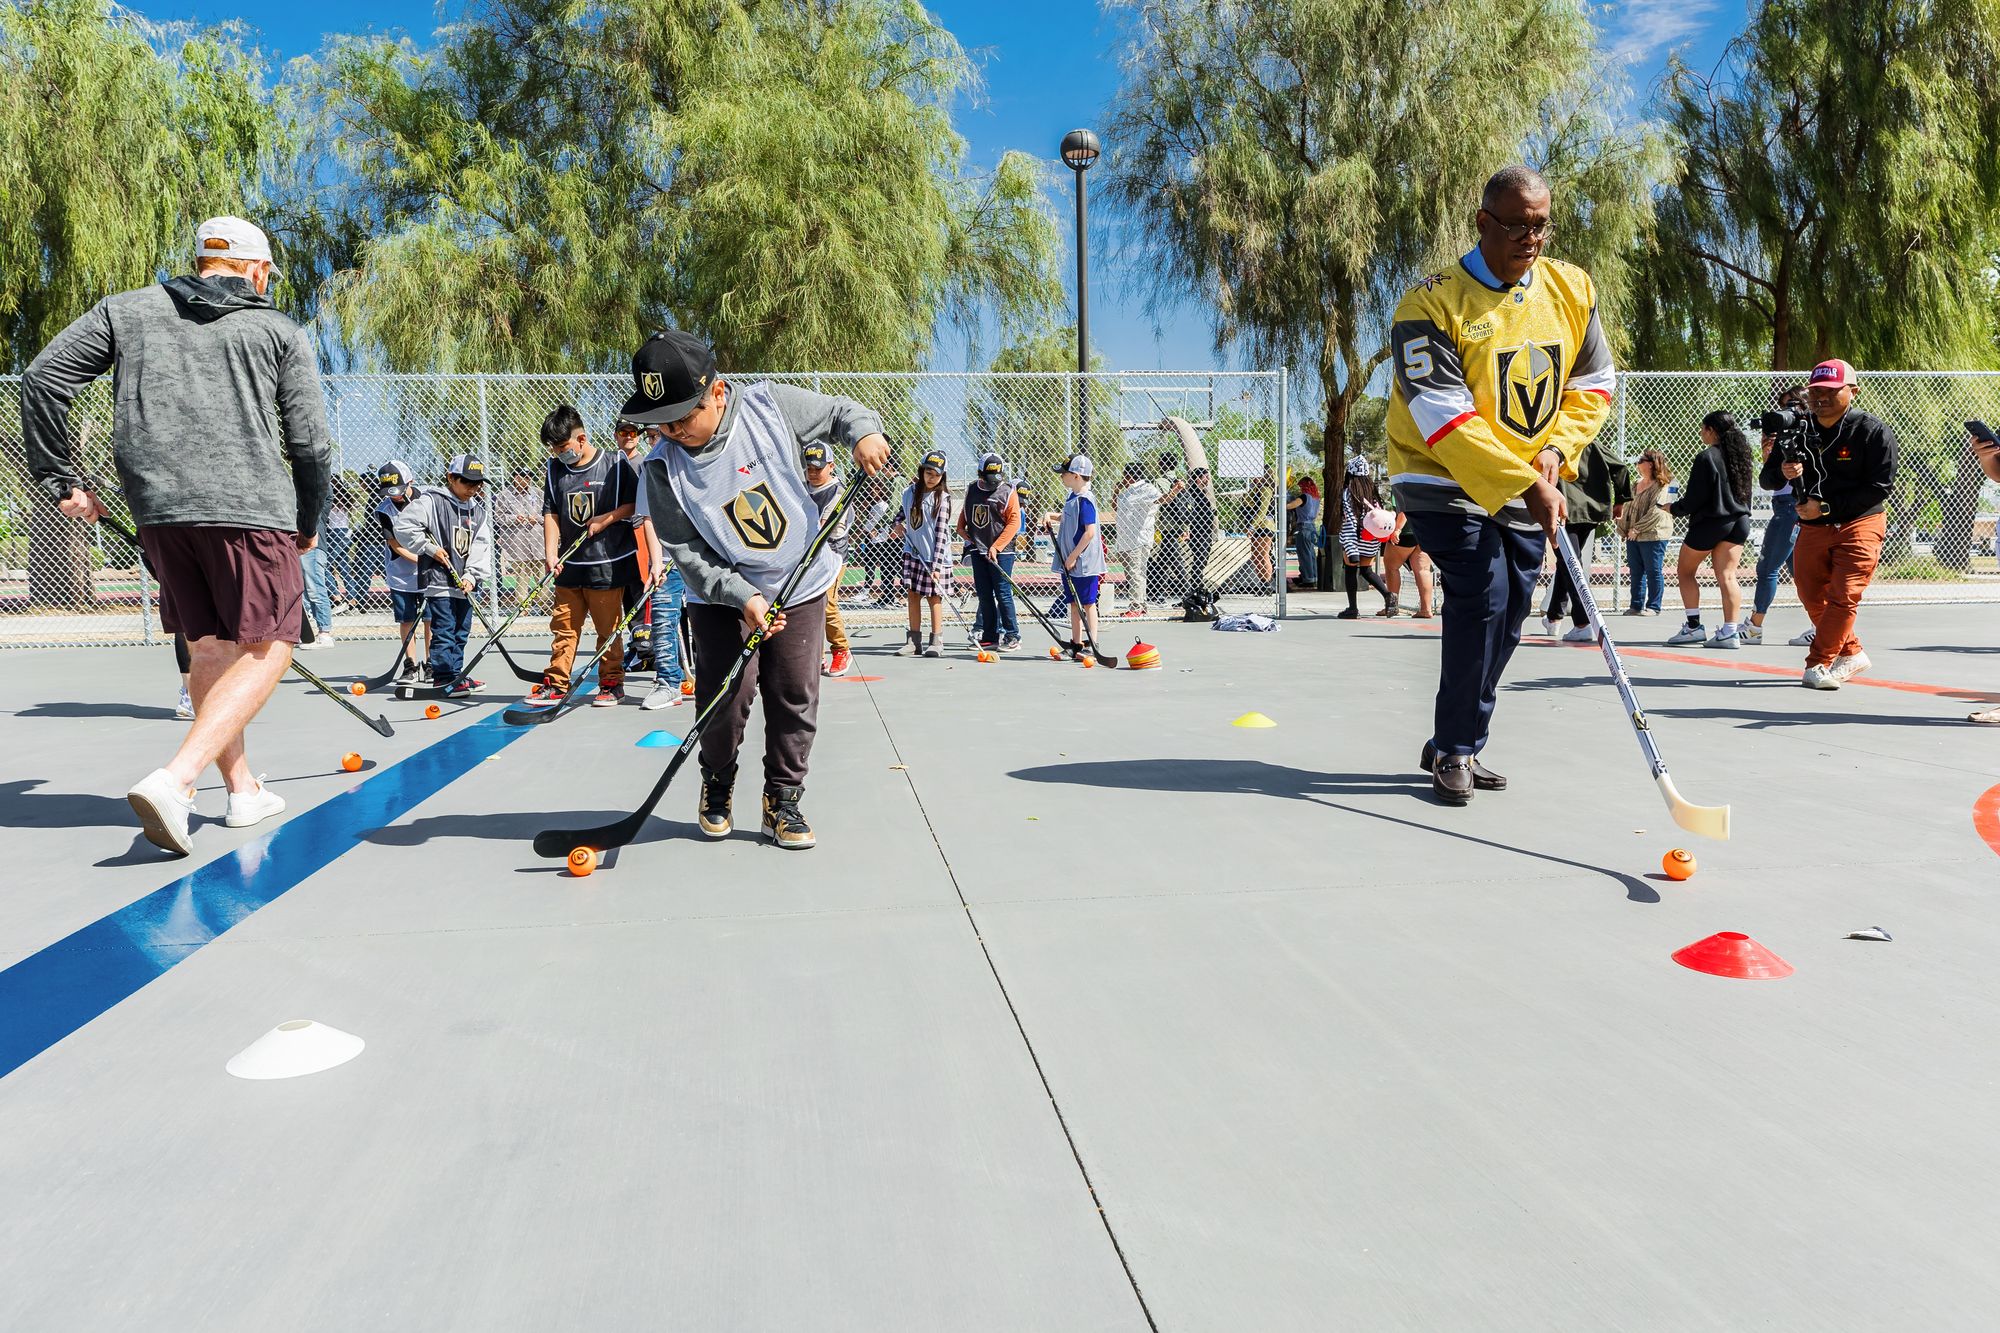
1278 492
486 457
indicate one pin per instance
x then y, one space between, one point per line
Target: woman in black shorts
1716 504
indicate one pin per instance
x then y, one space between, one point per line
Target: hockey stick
528 715
1022 599
395 667
557 843
1711 821
435 691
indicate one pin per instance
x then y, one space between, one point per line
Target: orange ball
1089 661
1677 864
1055 653
582 861
351 762
433 712
358 687
687 688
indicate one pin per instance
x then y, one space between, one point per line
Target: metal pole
1082 314
1278 491
486 457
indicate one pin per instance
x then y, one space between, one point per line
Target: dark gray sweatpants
785 670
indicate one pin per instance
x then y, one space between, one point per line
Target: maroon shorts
240 584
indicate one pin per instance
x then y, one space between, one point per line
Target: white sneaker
1847 668
251 807
184 710
320 639
665 695
1549 624
1991 717
1689 634
1820 678
1581 634
1751 634
1727 637
1803 640
163 810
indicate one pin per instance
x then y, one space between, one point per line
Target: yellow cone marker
1253 720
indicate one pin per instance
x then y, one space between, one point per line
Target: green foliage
557 179
1839 193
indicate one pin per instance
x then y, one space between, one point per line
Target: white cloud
1642 31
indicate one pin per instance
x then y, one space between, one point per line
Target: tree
116 140
1298 163
558 179
1839 189
1028 414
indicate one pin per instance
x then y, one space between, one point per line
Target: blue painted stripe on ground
50 994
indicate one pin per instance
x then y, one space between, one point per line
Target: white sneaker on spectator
666 694
252 807
1729 636
1848 667
1820 678
1549 624
1581 634
184 710
163 810
1991 717
1691 633
1803 639
1751 634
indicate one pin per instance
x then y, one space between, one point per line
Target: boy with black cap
1081 553
988 524
823 480
399 569
729 500
450 531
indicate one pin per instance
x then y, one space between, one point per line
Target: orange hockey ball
582 861
1055 653
1089 661
1677 864
351 762
358 687
433 712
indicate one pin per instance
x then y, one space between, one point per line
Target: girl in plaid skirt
926 532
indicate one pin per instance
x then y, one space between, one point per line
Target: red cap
1835 374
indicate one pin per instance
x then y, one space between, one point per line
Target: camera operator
1841 480
1774 550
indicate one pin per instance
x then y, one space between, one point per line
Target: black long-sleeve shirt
1708 494
1850 468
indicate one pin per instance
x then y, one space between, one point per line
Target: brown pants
785 666
604 606
1832 566
836 633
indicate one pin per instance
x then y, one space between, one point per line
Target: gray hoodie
213 389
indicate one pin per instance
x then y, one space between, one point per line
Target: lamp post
1079 149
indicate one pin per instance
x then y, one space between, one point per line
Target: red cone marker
1731 953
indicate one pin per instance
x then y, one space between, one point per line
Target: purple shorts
241 584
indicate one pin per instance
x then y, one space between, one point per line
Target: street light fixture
1080 148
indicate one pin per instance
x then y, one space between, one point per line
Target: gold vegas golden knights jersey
1486 377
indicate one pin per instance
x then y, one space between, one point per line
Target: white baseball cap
231 238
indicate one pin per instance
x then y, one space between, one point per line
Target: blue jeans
996 599
318 604
1308 540
1488 570
1648 563
668 600
451 621
338 543
1775 555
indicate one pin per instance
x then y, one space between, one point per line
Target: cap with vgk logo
814 454
991 469
467 469
934 460
671 374
1077 463
1835 374
394 477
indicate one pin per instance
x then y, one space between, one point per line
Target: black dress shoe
1451 779
1483 777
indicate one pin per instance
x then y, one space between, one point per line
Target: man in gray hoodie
214 391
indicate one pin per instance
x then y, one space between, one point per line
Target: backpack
1198 605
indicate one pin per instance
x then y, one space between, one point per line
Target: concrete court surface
1090 1011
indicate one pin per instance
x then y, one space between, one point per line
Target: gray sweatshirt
213 390
448 533
810 416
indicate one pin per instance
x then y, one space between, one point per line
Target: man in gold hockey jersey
1502 378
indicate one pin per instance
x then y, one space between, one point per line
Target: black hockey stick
396 667
1022 599
436 691
528 715
559 843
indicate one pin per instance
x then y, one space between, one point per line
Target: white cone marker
297 1047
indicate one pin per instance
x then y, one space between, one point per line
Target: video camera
1787 429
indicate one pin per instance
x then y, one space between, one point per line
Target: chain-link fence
62 582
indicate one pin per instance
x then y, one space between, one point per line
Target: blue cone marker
658 740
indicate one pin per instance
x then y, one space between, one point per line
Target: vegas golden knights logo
982 515
652 385
1527 379
582 507
757 519
461 540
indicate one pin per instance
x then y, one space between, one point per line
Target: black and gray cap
466 468
671 374
394 477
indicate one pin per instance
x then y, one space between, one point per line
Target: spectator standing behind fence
1135 511
1716 505
1602 483
517 521
1307 534
1841 484
1646 526
988 523
1258 499
1985 448
336 538
214 392
318 581
1357 549
1781 534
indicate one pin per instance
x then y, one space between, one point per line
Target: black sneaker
410 674
783 824
715 792
424 674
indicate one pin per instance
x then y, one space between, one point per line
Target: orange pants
604 606
836 633
1832 566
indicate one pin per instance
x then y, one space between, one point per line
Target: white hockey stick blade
1711 821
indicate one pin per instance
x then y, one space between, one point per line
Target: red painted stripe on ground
1986 817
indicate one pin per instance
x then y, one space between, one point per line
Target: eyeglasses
1522 231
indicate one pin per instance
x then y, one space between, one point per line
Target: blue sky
1048 66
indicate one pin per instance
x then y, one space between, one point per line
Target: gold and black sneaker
715 792
783 824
